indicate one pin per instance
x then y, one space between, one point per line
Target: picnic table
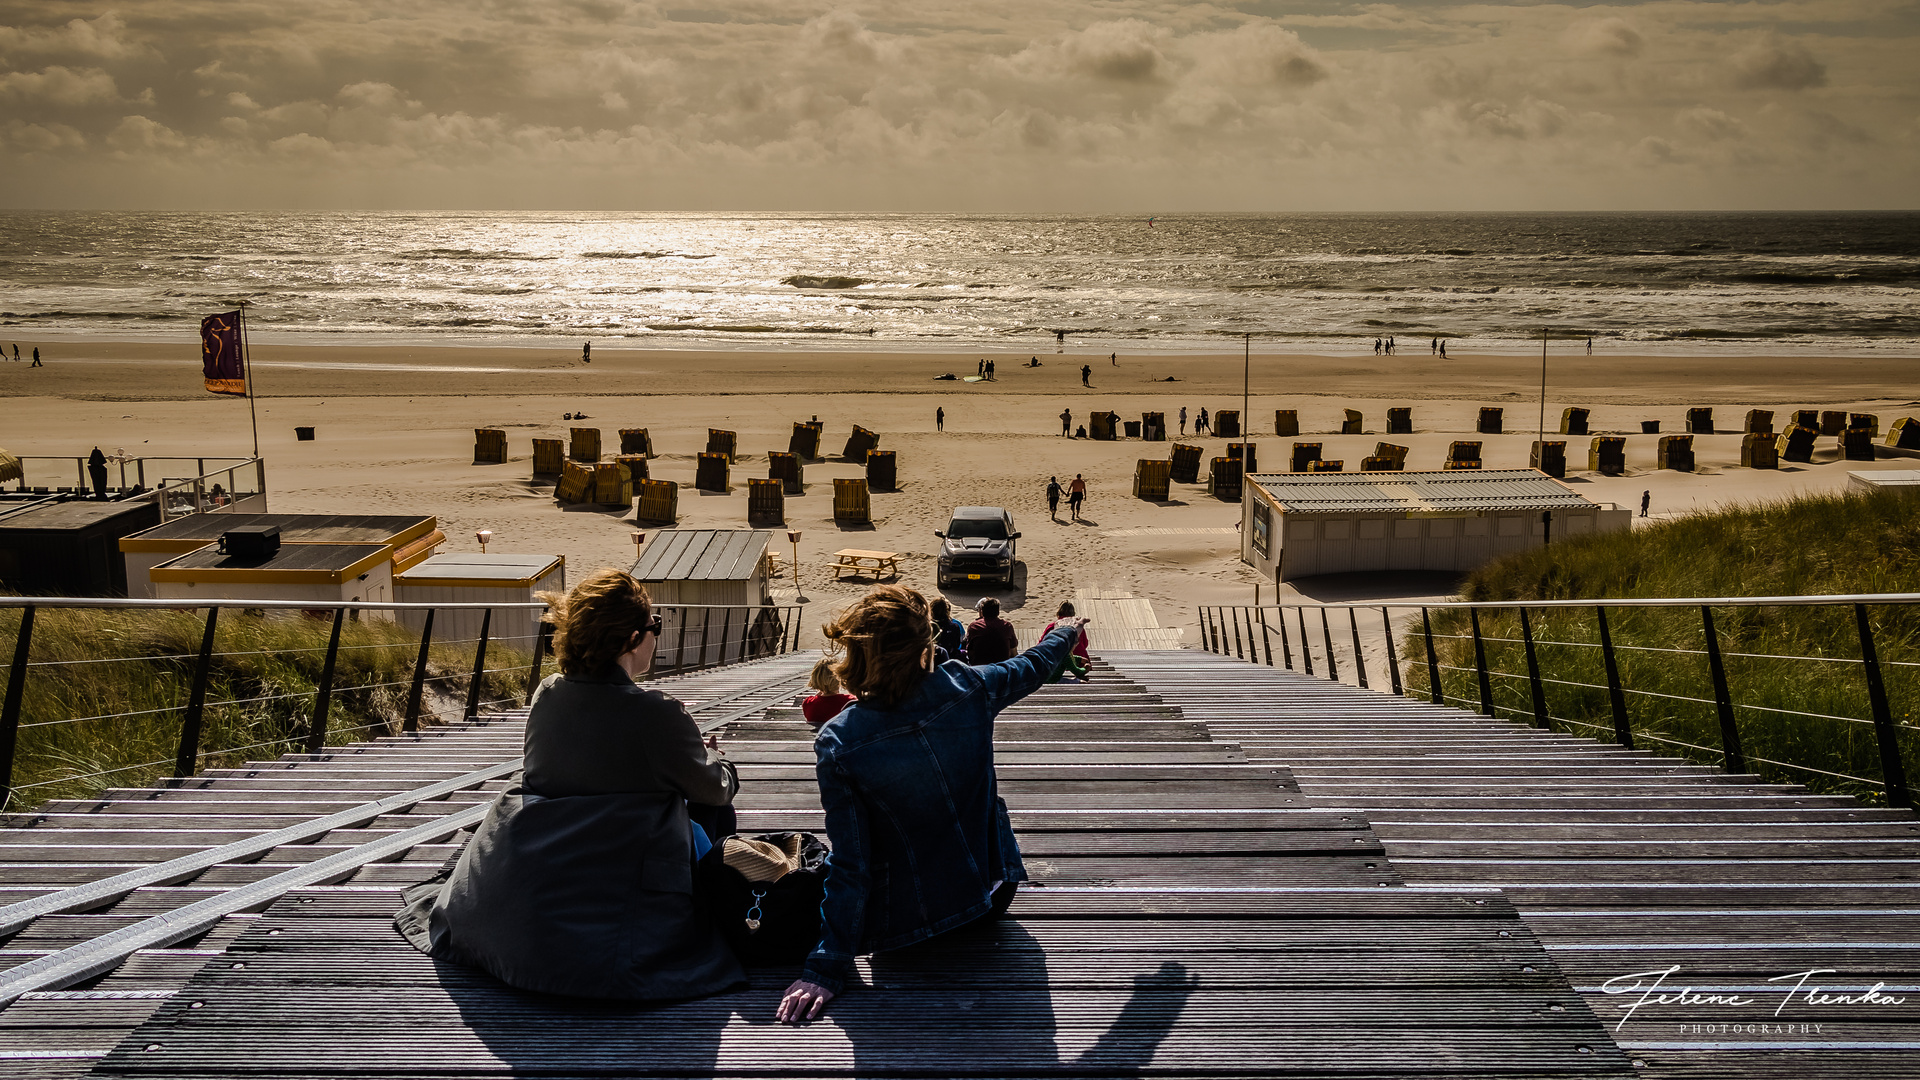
861 563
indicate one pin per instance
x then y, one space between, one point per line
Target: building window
1262 529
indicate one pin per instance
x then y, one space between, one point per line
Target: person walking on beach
1086 375
1589 344
1183 421
1435 347
939 419
1201 425
586 353
989 369
1076 494
1053 498
1066 422
36 357
980 368
1115 358
1443 350
1646 500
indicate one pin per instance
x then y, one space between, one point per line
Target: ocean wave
826 281
640 255
756 328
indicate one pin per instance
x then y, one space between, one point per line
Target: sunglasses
653 626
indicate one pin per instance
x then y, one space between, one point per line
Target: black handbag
768 922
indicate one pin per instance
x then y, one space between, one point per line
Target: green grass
134 669
1815 545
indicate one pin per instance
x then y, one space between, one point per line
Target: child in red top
827 699
1077 661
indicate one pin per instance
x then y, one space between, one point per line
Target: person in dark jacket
990 639
921 844
580 879
948 634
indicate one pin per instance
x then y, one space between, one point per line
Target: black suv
978 546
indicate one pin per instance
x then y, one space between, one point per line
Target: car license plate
973 577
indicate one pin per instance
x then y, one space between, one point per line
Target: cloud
1121 51
102 38
1606 37
58 86
1261 53
1710 124
1775 63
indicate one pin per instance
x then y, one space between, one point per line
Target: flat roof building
472 577
69 548
722 567
405 540
1296 525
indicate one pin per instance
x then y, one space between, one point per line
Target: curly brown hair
885 636
593 623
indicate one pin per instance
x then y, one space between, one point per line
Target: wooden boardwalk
1194 917
1621 862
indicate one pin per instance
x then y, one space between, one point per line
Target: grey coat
580 879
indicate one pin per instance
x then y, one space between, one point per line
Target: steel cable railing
1637 677
37 691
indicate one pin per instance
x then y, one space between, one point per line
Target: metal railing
704 636
177 485
1529 655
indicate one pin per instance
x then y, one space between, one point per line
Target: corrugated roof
702 555
1463 490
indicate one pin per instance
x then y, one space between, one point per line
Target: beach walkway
1194 915
1621 862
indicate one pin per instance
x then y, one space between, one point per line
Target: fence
75 710
177 485
1803 687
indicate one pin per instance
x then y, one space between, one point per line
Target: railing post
1433 661
1393 660
1535 687
680 644
479 665
1622 728
1266 638
1286 647
414 694
10 711
323 698
1238 652
187 761
1326 632
1480 664
1893 772
1306 641
1359 662
540 657
1732 759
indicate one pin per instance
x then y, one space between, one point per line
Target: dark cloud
1777 64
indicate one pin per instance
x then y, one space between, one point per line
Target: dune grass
1781 662
106 690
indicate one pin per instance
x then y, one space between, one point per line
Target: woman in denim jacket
921 841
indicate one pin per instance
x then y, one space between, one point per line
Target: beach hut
1400 421
1549 457
1759 422
1247 454
406 540
1327 465
1286 423
547 456
1226 423
1608 455
1386 457
721 441
710 473
1573 420
656 501
636 441
1833 421
1303 456
1463 455
489 446
1868 421
585 445
1675 452
472 577
858 443
766 501
576 483
1223 480
1700 421
637 467
882 471
10 468
723 571
1103 426
1353 424
71 547
1856 444
805 442
1807 418
786 468
852 503
1796 444
1905 434
1153 427
1759 450
1150 479
1301 525
1490 417
612 484
1186 463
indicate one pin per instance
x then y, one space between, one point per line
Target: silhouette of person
1086 374
1066 422
1646 500
1435 347
1589 345
1053 498
1183 421
989 369
36 357
1115 358
940 419
586 353
1443 350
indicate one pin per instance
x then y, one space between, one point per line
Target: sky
1077 106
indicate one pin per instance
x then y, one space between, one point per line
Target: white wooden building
1296 525
724 569
470 577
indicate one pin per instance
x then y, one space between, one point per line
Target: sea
1327 283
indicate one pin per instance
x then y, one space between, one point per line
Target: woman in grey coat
580 880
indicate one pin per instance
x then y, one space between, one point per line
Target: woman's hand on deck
803 1001
713 744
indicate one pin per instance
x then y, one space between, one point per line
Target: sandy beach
395 435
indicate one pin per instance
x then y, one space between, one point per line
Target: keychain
753 913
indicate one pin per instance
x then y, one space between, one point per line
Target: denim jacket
919 832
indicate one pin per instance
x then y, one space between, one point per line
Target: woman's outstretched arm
1010 680
843 912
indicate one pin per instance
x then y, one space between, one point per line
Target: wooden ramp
1621 862
1192 917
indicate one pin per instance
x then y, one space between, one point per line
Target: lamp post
639 537
484 536
793 537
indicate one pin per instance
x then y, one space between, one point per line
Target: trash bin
1649 427
1133 428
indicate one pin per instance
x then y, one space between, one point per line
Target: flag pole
246 373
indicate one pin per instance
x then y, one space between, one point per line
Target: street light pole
1541 435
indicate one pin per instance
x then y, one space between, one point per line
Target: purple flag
220 358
